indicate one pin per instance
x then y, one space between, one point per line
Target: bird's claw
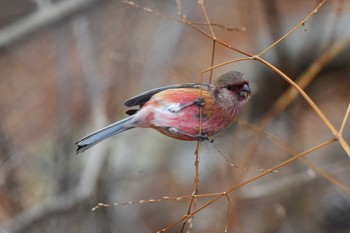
205 137
200 137
200 101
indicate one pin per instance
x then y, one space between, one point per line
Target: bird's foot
205 137
200 101
200 137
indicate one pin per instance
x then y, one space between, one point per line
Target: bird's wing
142 98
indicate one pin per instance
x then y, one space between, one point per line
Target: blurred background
67 66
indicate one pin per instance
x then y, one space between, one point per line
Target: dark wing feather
142 98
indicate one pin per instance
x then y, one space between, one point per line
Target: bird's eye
231 87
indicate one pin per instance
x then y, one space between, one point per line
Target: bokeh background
66 67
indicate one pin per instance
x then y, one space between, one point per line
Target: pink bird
175 110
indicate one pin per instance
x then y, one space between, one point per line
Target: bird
189 112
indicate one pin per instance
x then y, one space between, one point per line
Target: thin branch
301 92
227 28
323 117
290 150
185 21
346 117
305 79
233 188
212 60
295 28
340 137
179 8
201 2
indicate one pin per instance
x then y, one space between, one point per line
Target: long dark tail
102 134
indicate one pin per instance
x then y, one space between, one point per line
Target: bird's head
232 87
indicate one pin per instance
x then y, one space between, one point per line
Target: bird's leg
200 137
178 107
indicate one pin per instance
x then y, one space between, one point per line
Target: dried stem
295 28
233 188
305 79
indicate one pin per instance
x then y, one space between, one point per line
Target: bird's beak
245 91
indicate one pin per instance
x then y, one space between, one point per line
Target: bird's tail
102 134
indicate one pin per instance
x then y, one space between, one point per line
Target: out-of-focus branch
290 182
51 13
9 198
67 201
42 4
306 78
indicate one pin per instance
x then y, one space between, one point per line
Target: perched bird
175 110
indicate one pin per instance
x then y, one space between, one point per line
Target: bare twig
345 120
187 22
318 111
295 28
290 150
201 2
305 79
227 28
340 137
233 188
